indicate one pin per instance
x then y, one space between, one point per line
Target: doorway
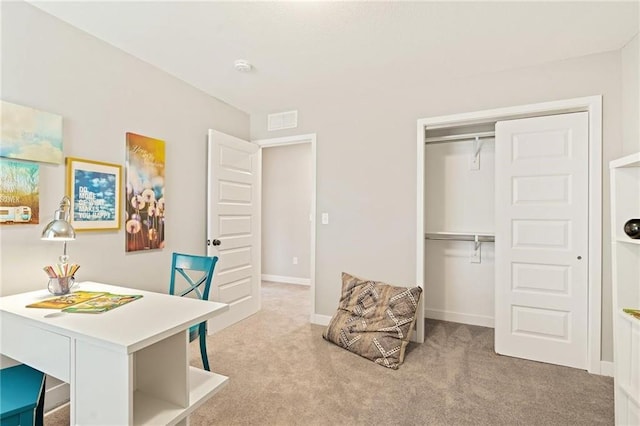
283 264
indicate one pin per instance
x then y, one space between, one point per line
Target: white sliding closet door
541 296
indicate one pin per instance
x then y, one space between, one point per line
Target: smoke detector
242 65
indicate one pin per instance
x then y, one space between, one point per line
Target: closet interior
459 223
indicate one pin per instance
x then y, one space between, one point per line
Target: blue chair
21 396
197 272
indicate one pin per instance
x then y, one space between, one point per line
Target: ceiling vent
282 120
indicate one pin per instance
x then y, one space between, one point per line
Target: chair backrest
197 271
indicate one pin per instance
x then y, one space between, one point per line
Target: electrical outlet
325 218
295 260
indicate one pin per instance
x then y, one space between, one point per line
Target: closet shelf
461 137
459 236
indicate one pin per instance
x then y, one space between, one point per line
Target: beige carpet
283 373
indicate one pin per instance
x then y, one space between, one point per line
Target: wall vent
282 120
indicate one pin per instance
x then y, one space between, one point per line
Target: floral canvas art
29 134
145 198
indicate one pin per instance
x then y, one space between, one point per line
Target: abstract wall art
29 134
145 198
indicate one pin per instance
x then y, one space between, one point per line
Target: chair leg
203 346
39 420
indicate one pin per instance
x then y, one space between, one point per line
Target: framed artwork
19 194
30 134
94 190
145 200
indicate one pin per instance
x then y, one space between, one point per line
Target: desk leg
102 386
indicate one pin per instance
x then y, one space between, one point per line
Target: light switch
325 218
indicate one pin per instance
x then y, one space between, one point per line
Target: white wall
366 162
631 97
102 93
286 205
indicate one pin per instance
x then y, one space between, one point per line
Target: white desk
126 366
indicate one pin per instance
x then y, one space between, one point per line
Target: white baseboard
286 280
55 395
471 319
606 368
320 319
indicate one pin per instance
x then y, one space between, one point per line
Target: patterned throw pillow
374 319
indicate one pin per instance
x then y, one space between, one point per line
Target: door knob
216 242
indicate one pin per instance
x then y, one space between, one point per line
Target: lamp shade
59 229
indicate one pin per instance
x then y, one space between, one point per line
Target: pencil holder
60 285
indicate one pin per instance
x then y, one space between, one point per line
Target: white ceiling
326 50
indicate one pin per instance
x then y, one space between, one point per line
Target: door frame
590 104
295 140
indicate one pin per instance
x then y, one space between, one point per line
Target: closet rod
457 138
455 236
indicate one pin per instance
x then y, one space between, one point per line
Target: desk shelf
627 240
152 410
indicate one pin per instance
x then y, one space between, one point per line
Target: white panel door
233 222
541 239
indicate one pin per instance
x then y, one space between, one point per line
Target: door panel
234 219
541 239
529 146
545 323
540 278
542 234
547 190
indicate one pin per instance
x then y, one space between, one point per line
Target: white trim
472 319
288 140
420 242
594 338
286 280
292 140
53 410
607 368
591 104
510 113
56 396
258 226
320 319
